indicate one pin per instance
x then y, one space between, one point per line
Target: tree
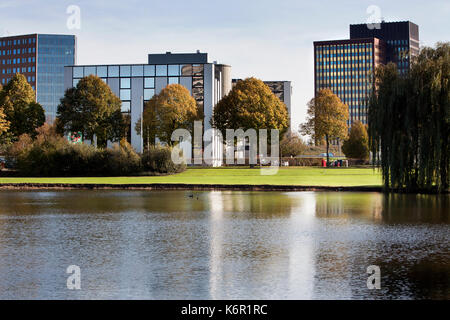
357 145
4 124
292 145
326 118
409 122
26 118
93 109
250 105
22 112
173 108
16 92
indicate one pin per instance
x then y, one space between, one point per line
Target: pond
223 245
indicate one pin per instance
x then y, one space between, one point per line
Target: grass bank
292 176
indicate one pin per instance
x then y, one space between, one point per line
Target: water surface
223 245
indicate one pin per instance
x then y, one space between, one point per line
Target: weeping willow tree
409 123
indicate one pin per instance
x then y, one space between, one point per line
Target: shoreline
182 186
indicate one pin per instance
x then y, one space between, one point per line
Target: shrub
52 155
122 159
159 159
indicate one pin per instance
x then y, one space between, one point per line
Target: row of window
354 91
343 76
125 83
398 42
139 70
340 62
17 42
64 60
337 83
19 60
354 70
17 51
52 51
51 69
56 40
348 90
348 46
347 86
16 70
30 79
342 55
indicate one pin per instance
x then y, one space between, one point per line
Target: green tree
409 122
93 109
4 124
22 112
26 118
16 92
326 118
173 108
291 145
250 105
357 145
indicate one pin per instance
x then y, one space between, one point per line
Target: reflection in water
223 245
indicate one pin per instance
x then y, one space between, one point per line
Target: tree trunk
328 148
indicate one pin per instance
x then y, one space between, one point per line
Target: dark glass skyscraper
41 59
402 40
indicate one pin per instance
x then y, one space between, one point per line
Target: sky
269 40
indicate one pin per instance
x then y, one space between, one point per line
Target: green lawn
301 176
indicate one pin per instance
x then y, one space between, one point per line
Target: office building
401 38
41 59
347 67
137 83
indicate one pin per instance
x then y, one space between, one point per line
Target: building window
125 71
102 72
186 70
173 80
174 70
89 71
148 93
197 69
149 71
161 70
113 71
125 83
126 106
149 82
125 94
137 71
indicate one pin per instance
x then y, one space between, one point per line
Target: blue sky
271 40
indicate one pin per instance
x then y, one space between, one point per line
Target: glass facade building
137 83
401 38
41 59
54 52
346 68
